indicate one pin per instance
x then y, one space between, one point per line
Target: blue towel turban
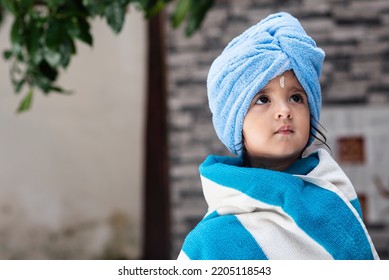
266 50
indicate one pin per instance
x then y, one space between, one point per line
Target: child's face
277 125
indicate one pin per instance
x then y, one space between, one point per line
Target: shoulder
221 237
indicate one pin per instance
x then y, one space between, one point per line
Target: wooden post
156 237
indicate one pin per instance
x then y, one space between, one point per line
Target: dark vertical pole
156 243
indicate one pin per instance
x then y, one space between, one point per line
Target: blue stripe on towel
221 239
304 165
339 234
355 203
331 223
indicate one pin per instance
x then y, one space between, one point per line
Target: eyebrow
266 90
262 91
300 88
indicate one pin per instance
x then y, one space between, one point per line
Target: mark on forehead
282 81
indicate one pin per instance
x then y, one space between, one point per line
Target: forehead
287 79
286 82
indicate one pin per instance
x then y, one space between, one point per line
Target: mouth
285 130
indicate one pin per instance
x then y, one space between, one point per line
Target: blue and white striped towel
311 211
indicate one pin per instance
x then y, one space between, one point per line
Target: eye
262 100
298 98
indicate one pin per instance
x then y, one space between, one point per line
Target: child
273 201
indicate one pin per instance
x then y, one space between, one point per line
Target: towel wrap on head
266 50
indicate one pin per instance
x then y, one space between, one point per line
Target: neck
271 163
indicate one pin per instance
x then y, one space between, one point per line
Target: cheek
307 126
251 130
247 129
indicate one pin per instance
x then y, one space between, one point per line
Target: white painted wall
369 123
71 168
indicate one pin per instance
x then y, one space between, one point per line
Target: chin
288 153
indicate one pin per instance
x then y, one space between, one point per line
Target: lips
285 130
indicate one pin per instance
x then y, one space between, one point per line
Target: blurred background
111 172
71 166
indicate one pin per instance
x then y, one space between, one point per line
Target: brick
317 26
374 7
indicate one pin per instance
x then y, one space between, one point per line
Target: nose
283 111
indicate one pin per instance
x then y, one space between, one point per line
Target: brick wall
354 35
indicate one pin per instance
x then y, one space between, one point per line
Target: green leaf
199 9
17 32
60 90
7 54
53 58
25 5
55 3
72 28
152 8
66 49
84 31
95 8
53 33
18 85
56 89
25 104
180 12
115 15
43 83
33 40
11 6
1 13
18 52
47 71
